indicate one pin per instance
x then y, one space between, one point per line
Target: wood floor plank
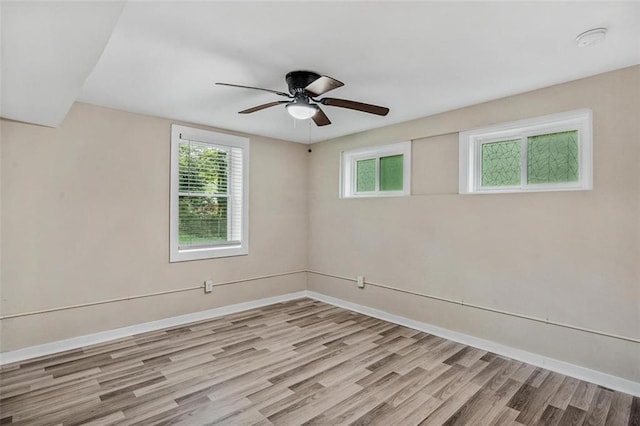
362 402
551 416
523 373
313 405
480 405
583 395
109 419
461 379
620 409
537 377
634 415
296 362
422 411
420 378
494 406
451 405
599 409
565 392
506 416
281 404
535 406
573 416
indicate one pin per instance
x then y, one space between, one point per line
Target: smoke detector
591 37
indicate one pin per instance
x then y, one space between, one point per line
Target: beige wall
85 217
571 257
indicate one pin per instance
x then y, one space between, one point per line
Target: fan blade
358 106
323 85
256 88
263 106
320 118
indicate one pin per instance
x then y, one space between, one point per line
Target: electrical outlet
208 286
360 281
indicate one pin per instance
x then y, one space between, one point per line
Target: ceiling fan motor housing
298 80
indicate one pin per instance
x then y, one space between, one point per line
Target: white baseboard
118 333
582 373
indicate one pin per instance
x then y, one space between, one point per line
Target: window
209 194
380 171
551 153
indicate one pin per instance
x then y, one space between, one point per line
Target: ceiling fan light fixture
301 110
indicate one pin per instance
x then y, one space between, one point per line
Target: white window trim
470 144
214 138
348 166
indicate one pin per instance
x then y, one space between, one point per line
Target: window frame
218 140
348 167
470 152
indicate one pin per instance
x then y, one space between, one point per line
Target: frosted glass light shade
301 111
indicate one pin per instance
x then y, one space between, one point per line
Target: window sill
520 190
207 253
377 195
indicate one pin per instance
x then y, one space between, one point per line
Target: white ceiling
417 58
48 51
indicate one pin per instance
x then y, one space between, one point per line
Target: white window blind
210 203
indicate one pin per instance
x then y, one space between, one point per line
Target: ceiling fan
304 87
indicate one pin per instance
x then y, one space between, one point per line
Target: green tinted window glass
391 173
366 175
553 158
501 163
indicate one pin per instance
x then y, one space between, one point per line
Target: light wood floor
298 362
